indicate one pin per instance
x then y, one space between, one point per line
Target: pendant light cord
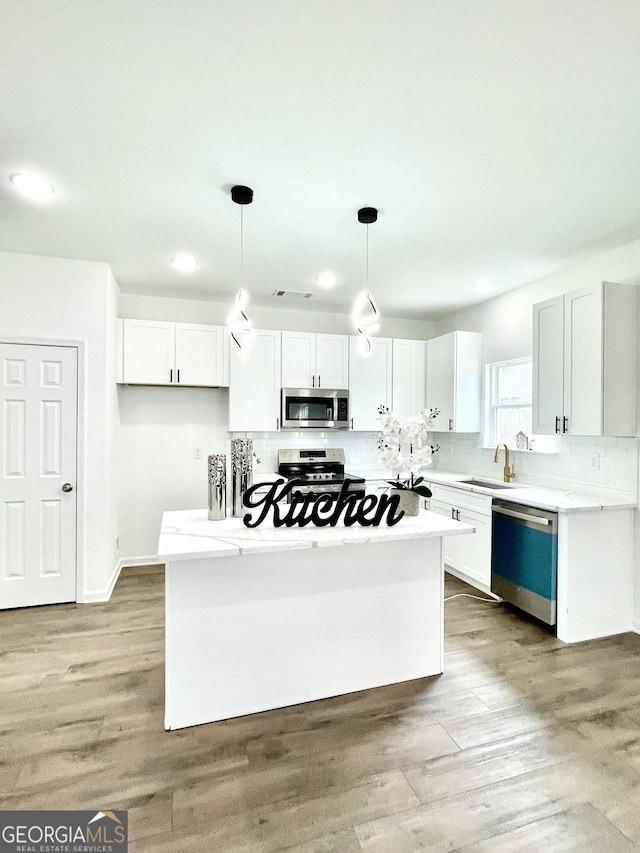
367 264
241 246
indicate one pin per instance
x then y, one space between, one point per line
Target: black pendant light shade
241 195
367 215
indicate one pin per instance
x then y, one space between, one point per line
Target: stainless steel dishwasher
524 558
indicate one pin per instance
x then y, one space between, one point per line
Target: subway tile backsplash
569 469
361 448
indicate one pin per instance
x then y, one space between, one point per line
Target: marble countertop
189 535
556 500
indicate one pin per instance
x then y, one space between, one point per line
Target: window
509 400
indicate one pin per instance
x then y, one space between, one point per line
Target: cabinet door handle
171 375
457 515
178 375
453 517
277 423
450 424
313 381
565 424
557 423
351 423
319 385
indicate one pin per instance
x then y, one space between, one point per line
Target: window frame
492 389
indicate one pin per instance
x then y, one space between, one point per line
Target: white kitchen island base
271 628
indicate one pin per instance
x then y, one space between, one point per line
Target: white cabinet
152 352
454 377
409 377
584 362
202 355
370 381
315 360
468 556
254 387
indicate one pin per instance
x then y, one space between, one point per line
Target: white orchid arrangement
404 448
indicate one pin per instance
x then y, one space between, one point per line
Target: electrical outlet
197 453
594 461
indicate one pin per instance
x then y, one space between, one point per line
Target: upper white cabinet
254 392
370 381
315 360
409 377
454 376
584 362
202 354
158 353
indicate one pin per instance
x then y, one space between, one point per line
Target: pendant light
366 317
238 322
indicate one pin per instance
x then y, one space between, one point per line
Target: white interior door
38 429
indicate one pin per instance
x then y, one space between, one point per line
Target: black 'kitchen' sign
320 510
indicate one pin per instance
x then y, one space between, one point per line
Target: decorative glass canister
217 487
241 472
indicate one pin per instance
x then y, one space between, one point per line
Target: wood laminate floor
524 744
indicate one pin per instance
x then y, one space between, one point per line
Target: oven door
309 408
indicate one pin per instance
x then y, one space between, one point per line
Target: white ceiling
499 139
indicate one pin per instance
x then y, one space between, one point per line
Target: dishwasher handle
523 516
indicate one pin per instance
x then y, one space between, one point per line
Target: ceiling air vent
293 294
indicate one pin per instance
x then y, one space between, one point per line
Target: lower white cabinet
468 556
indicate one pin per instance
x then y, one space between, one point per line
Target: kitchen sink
486 484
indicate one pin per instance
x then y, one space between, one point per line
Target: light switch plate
197 453
594 461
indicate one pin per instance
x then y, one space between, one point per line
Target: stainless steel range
321 472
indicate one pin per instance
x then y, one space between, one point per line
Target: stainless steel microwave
319 408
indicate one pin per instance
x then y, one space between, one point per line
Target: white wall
506 321
159 427
506 324
195 311
54 298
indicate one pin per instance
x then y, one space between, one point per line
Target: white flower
403 448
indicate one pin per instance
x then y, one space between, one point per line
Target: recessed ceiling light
184 263
327 279
483 286
32 186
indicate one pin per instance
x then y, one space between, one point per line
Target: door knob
67 487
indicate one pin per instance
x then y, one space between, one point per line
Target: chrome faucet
509 473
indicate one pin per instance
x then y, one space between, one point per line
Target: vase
409 501
217 487
241 472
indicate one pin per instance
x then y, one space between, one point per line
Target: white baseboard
95 596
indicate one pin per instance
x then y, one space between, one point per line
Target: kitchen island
268 617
